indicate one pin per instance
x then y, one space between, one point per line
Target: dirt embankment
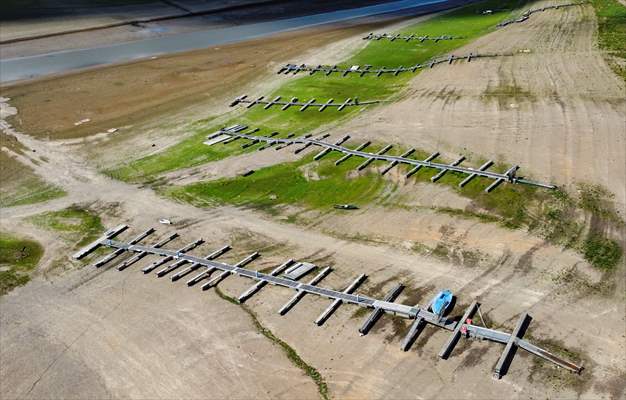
557 111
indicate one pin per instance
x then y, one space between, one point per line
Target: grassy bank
74 224
18 257
19 185
466 22
612 32
291 354
26 189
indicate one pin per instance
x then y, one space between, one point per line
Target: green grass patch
611 17
466 22
19 185
18 257
320 185
508 203
189 153
597 200
289 351
317 185
74 224
29 190
601 252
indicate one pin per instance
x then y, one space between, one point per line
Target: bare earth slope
558 111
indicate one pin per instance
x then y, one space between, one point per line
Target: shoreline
15 70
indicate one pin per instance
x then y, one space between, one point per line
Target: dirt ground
78 332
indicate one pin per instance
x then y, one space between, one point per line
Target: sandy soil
559 112
104 333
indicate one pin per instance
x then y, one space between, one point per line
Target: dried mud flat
89 333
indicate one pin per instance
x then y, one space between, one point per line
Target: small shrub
18 257
602 253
